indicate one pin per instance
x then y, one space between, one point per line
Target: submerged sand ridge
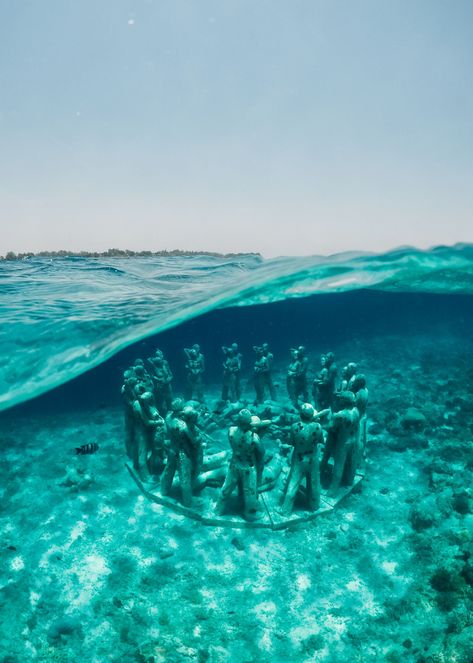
94 572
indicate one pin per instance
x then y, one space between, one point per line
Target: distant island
120 253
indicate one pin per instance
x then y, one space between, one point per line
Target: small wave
62 317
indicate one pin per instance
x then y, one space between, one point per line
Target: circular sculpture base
269 517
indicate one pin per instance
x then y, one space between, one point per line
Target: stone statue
231 373
184 452
305 436
324 386
148 447
245 468
359 388
262 373
297 376
143 377
162 378
195 367
343 442
348 372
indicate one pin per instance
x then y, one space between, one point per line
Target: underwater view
234 459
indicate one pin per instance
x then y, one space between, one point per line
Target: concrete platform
202 509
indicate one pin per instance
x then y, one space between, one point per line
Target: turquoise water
62 317
94 571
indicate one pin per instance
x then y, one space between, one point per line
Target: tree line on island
120 253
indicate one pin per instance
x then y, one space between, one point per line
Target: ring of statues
281 460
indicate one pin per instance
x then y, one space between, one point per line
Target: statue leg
351 464
199 390
184 468
140 455
225 387
250 494
313 485
292 486
291 389
271 387
339 458
259 389
237 387
168 474
229 486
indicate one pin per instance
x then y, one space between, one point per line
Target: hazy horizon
269 127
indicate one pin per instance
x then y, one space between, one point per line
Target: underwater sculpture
342 442
305 437
270 475
162 377
143 377
149 435
195 367
184 451
297 376
359 388
324 385
348 373
263 380
231 373
245 468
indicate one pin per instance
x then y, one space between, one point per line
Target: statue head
177 404
307 412
244 419
189 414
359 382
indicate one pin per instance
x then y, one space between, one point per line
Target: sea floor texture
93 572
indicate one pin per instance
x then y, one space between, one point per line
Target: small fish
86 449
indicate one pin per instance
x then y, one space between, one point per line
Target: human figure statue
269 374
143 377
297 376
348 373
359 388
195 367
231 373
342 442
262 373
324 385
245 468
305 436
185 451
148 448
128 395
162 378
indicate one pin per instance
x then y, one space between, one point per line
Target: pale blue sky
295 127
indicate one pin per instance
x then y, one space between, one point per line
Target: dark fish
86 449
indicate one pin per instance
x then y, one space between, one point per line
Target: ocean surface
94 570
62 317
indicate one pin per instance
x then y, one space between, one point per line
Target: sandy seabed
93 572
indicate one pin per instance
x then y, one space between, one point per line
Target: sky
290 127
